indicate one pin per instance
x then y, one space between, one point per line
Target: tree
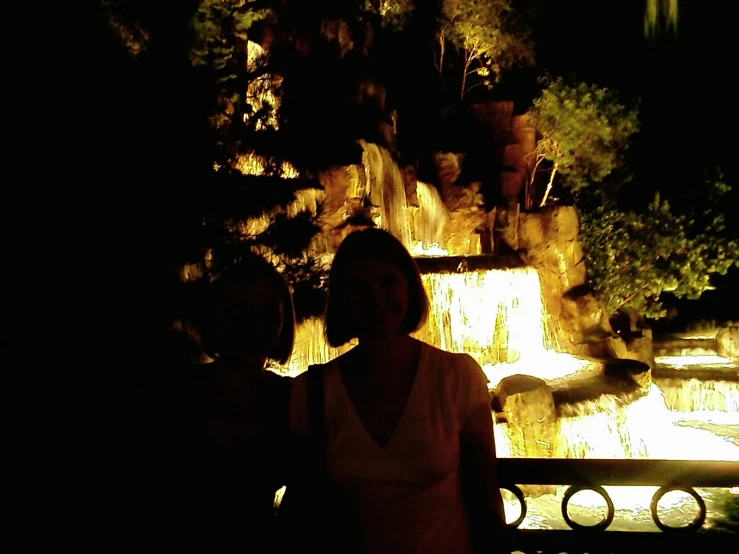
484 34
582 131
251 199
257 201
394 14
632 257
219 30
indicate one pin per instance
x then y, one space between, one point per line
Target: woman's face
376 293
250 318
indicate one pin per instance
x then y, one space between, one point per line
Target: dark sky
681 79
688 101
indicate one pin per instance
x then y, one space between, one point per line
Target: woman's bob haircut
380 245
247 270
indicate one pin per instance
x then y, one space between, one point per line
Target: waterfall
428 219
496 316
386 191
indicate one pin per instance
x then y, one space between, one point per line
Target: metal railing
579 475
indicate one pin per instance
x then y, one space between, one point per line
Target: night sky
687 103
682 80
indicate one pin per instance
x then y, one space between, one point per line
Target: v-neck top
407 493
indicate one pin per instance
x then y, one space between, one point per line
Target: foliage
485 34
219 33
247 183
632 258
729 522
583 131
394 14
131 34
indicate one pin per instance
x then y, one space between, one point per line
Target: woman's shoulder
276 377
446 359
300 381
454 368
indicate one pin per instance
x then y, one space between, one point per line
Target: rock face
633 370
585 327
549 237
546 238
727 342
465 206
463 232
343 203
636 334
528 405
641 348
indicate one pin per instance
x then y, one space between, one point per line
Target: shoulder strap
316 418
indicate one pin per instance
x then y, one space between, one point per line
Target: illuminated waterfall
427 220
499 318
496 316
420 228
386 191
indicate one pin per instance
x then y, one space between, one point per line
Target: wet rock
528 405
584 317
626 369
640 349
636 334
727 340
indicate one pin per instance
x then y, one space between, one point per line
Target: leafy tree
252 199
257 200
485 35
582 131
220 34
632 258
394 14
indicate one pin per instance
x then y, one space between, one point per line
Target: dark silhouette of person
222 427
410 430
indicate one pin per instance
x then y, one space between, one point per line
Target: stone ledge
723 373
462 264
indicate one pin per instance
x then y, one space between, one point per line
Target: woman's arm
479 476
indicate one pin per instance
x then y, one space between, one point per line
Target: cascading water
418 227
498 317
386 191
428 220
643 428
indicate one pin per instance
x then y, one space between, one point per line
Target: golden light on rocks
253 164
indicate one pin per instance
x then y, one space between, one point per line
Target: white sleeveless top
407 494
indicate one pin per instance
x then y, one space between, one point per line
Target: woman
227 421
409 428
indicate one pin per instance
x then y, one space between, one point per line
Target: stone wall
548 239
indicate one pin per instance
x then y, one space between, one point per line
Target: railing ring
698 520
601 525
518 493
